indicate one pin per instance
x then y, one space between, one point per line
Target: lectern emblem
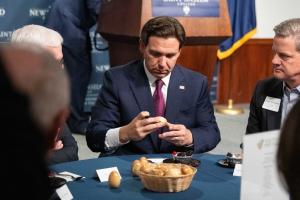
2 12
186 10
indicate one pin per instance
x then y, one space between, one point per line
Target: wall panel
239 73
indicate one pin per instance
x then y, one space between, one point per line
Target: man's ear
142 46
57 123
179 52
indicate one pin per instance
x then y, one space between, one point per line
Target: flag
243 26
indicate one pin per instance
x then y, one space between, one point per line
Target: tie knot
159 83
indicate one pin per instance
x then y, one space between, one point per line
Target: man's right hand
58 145
140 127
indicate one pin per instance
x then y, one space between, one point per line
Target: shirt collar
286 89
152 78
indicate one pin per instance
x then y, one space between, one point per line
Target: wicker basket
167 183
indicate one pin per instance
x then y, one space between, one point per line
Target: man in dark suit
124 119
73 20
28 77
274 97
22 143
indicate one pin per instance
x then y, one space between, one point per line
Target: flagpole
243 26
228 109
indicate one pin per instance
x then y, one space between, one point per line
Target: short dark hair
165 27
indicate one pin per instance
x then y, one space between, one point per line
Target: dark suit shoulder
270 87
269 82
128 71
128 67
190 74
262 119
191 77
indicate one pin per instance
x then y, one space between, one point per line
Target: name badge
272 104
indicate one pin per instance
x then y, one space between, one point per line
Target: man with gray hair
41 36
66 148
28 77
40 78
274 97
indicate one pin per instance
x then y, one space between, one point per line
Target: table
211 182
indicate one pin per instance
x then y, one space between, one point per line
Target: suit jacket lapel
139 85
176 91
140 88
274 118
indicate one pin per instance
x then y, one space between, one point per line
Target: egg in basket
163 177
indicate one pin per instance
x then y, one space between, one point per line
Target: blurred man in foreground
66 148
30 77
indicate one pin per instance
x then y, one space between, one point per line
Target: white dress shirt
112 140
290 97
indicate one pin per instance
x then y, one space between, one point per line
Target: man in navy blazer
261 119
123 119
274 97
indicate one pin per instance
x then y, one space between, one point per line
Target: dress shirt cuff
112 138
190 145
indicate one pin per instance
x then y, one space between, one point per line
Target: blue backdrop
17 13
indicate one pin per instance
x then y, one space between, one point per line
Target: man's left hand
178 134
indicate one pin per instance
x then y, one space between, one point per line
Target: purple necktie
158 99
159 105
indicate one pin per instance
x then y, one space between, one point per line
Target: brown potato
136 166
174 172
158 172
136 163
186 170
162 120
143 160
146 169
163 167
114 180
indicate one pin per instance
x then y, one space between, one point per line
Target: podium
120 23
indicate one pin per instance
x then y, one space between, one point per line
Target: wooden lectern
120 23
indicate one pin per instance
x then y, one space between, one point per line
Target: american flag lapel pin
181 87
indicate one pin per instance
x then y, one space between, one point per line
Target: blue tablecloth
211 181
